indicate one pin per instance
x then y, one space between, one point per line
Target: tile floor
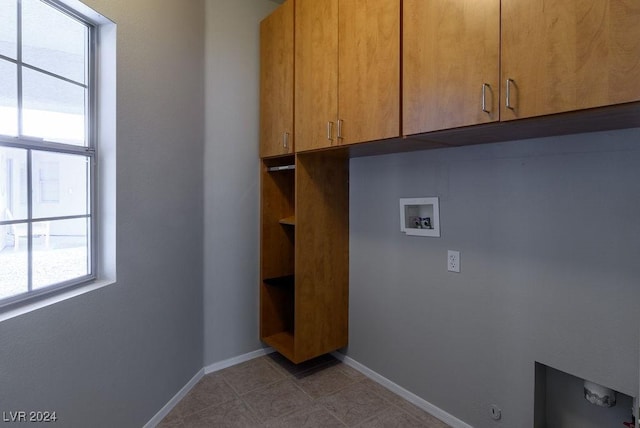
271 392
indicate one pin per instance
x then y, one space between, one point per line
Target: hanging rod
281 168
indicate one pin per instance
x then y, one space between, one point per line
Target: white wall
231 184
549 238
113 357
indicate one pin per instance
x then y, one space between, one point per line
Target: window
47 149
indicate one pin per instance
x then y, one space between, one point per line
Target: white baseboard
407 395
204 371
237 360
175 400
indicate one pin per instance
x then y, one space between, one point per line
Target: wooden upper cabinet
276 82
347 60
451 59
369 72
564 55
316 83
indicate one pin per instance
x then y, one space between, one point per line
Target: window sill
58 297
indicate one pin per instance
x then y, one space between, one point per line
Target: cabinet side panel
322 254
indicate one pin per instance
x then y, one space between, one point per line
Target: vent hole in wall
560 403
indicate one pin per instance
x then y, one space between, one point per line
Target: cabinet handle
340 129
330 131
285 140
484 97
508 98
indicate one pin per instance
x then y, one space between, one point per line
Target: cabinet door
316 82
276 82
369 72
564 55
451 59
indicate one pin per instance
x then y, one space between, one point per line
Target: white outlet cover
453 261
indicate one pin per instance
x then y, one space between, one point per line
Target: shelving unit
304 284
277 289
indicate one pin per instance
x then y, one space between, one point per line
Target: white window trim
104 207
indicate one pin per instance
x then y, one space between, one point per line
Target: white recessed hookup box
420 216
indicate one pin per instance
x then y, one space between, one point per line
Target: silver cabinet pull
285 140
508 97
340 129
330 131
484 97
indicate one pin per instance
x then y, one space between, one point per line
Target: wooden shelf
289 221
283 343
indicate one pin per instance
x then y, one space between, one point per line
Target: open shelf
289 221
282 342
277 209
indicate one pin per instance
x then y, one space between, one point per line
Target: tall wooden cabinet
347 62
276 82
304 208
565 55
304 290
466 62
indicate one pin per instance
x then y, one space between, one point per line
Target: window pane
62 51
13 184
52 108
9 28
60 184
8 98
60 251
13 261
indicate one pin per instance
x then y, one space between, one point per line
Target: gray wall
549 238
115 356
231 177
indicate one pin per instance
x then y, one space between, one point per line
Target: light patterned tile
354 404
392 417
232 414
250 375
170 422
351 372
277 400
325 382
425 417
209 391
404 405
383 392
311 417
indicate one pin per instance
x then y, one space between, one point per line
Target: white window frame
30 144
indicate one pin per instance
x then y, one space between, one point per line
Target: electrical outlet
453 261
495 411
